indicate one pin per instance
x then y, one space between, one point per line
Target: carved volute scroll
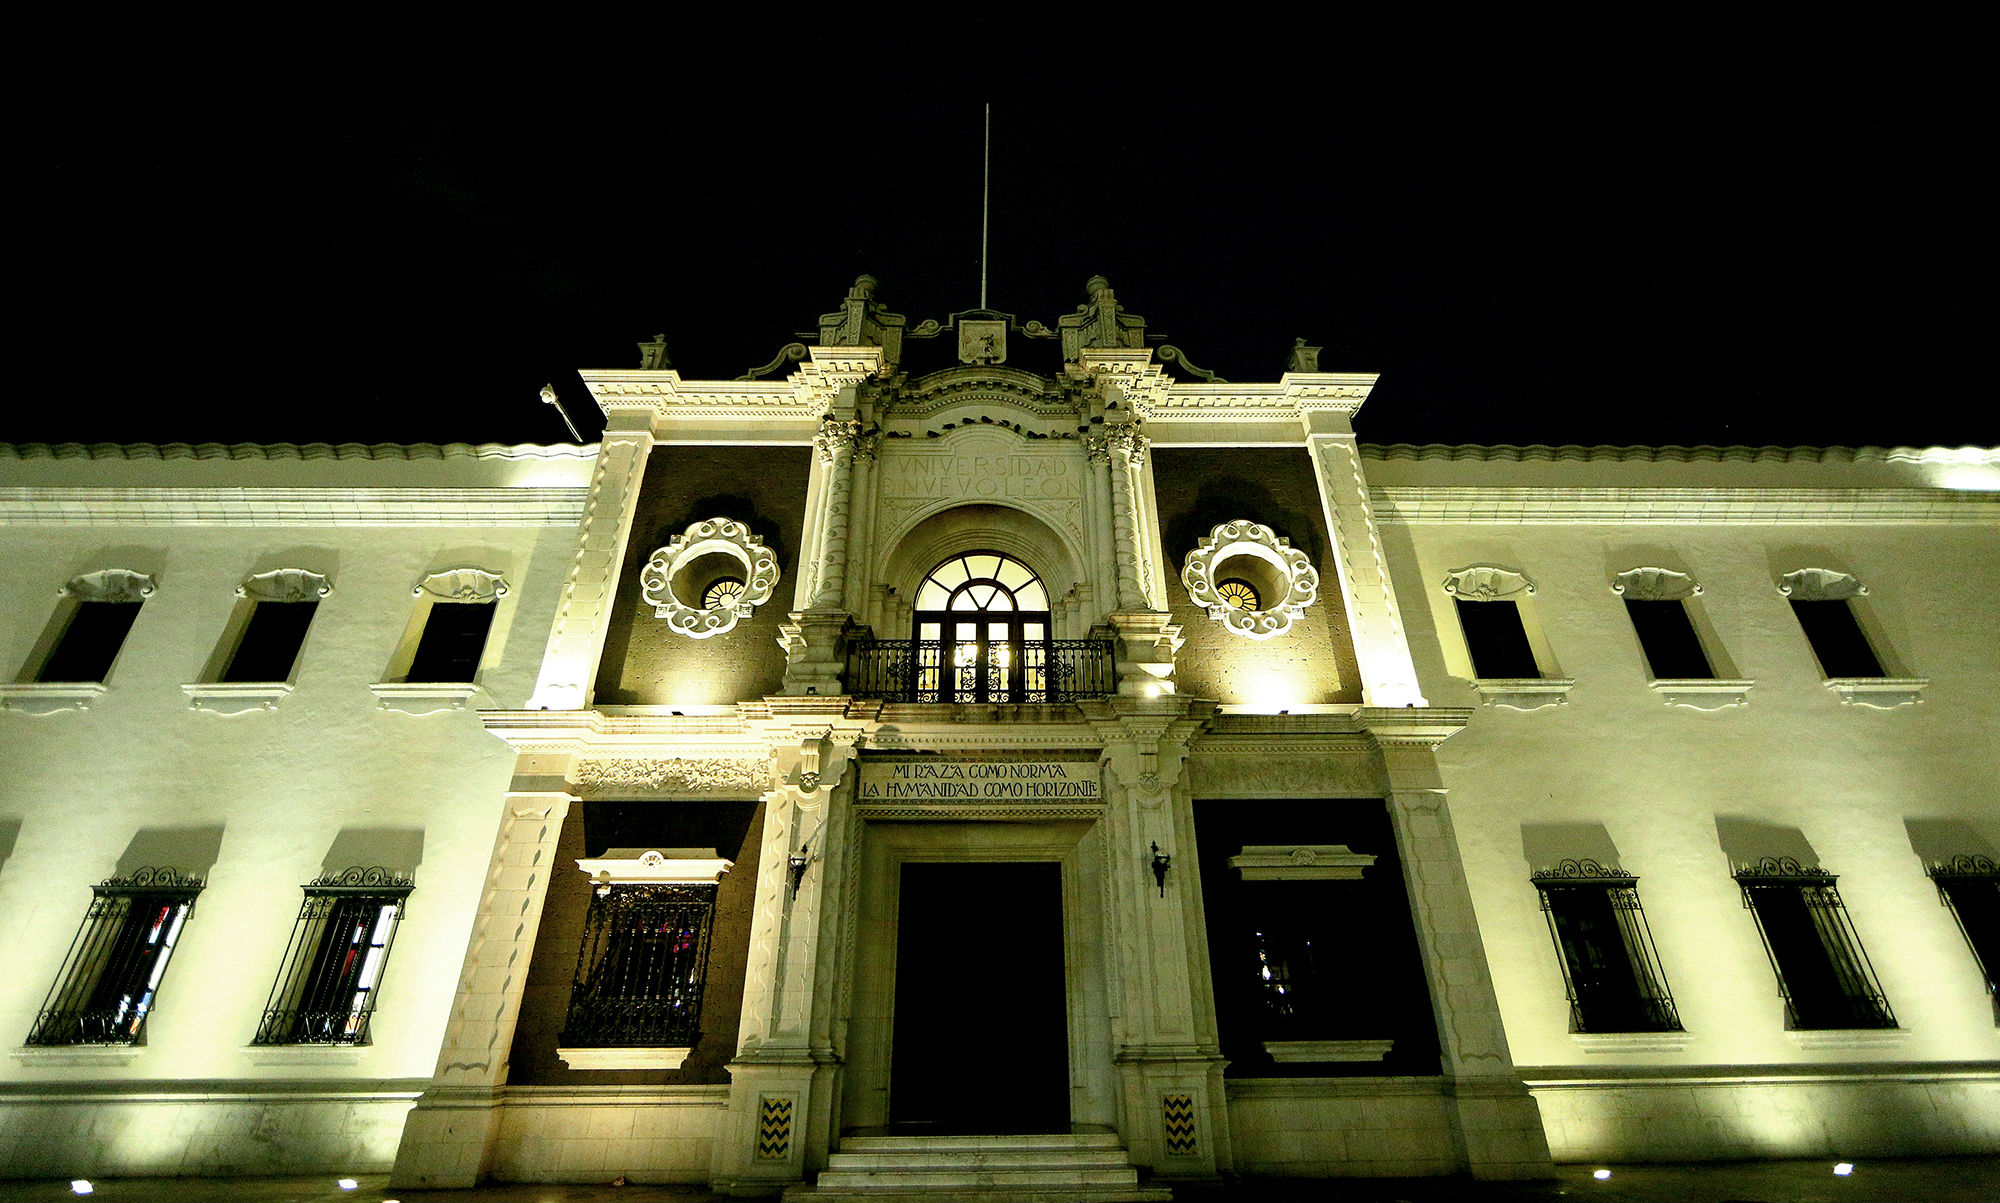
1486 582
462 585
674 596
1655 584
1250 579
110 585
285 585
1820 584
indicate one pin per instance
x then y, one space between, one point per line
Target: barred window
1970 886
1823 974
1610 968
640 971
332 971
109 982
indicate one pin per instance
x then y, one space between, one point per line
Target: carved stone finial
862 321
1303 358
653 355
1102 322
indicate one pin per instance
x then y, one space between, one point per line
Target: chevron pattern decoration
1177 1111
774 1127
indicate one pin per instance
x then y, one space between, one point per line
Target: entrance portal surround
1077 845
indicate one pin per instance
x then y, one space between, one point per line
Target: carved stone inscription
978 781
989 477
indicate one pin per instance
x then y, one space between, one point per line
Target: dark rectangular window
1497 640
108 984
642 967
1823 974
1970 886
271 642
325 992
1666 635
1609 965
90 643
453 640
1836 639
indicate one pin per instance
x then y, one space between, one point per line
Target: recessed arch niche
971 528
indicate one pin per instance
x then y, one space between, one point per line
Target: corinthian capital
1128 442
835 439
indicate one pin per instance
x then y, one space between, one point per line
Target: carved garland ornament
710 774
110 585
1235 546
284 585
710 537
1486 582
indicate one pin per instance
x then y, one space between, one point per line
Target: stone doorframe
869 929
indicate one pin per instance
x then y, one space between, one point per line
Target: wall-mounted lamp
1161 862
797 862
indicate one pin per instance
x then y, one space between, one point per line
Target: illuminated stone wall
260 802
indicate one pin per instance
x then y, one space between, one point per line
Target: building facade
979 742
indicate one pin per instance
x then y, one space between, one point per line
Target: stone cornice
1478 505
1540 453
664 393
509 507
293 451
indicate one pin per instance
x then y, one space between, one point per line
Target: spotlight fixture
1600 1175
81 1186
1843 1168
346 1183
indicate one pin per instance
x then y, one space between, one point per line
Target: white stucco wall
1656 777
282 785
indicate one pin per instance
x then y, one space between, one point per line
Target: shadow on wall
1747 841
1939 840
736 508
1227 499
398 849
189 850
1546 845
10 831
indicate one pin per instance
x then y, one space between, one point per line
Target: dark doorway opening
981 1026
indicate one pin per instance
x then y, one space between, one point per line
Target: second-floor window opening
982 631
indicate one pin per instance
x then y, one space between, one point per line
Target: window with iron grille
110 980
1970 886
642 966
1609 965
332 971
1823 974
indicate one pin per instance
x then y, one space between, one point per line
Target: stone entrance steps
1084 1168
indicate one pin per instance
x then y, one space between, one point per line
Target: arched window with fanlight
982 632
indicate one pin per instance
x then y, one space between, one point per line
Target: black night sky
1562 236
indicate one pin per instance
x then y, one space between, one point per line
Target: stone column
448 1137
815 639
783 1079
576 641
835 442
1381 647
1127 448
1498 1123
1163 1035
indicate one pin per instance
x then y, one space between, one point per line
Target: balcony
1028 670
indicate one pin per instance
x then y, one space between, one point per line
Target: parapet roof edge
298 451
1541 453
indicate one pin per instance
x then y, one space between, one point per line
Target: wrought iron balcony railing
1029 670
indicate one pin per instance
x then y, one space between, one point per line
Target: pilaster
1169 1063
784 1078
1381 646
576 640
1498 1123
448 1137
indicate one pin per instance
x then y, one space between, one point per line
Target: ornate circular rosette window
696 566
1250 579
